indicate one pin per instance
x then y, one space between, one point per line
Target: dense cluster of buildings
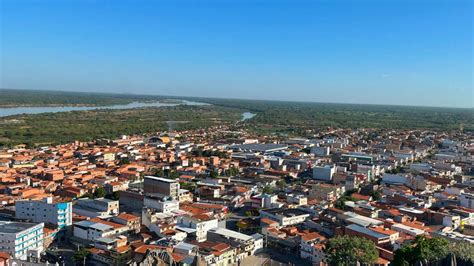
222 197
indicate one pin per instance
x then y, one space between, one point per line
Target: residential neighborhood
220 196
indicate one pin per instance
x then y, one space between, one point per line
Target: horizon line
244 99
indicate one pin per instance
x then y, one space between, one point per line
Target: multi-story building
96 207
88 230
165 205
200 223
311 247
326 192
17 238
161 186
325 173
467 200
285 217
245 243
45 211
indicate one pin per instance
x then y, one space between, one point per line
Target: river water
56 109
247 115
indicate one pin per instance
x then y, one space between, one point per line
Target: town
223 196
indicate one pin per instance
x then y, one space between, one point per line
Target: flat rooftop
260 147
161 179
231 234
366 231
286 212
14 227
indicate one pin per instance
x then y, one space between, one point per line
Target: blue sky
379 52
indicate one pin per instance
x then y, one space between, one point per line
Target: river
247 115
56 109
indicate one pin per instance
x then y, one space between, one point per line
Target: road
274 257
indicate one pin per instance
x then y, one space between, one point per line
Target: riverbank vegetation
272 117
297 117
54 128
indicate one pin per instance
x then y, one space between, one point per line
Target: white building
285 217
90 231
246 243
166 205
45 211
407 229
325 173
311 248
264 201
320 151
394 179
297 199
452 221
17 238
467 200
101 208
421 167
201 224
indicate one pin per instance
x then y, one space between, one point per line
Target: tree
347 196
463 250
346 250
232 171
214 174
100 192
124 160
88 195
268 190
376 195
422 250
281 183
188 185
81 255
159 172
173 175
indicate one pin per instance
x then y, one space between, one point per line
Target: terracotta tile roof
114 225
360 196
221 247
4 256
143 249
95 251
312 236
202 217
177 257
267 221
122 249
127 217
384 231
